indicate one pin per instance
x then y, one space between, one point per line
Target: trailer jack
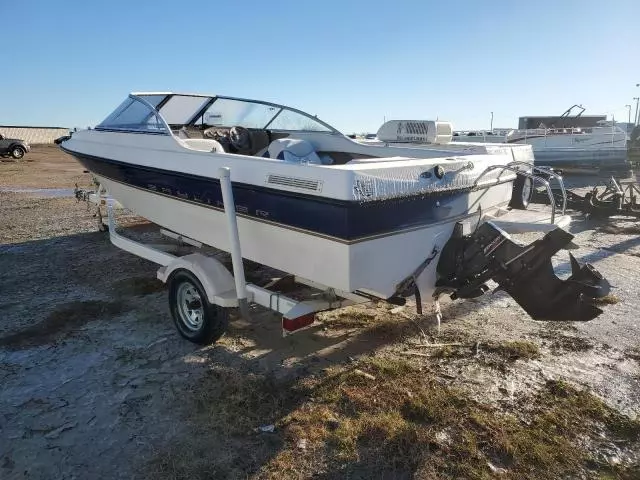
467 262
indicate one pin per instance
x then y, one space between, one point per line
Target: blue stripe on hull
344 220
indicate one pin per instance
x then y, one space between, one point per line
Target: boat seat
201 144
259 140
295 151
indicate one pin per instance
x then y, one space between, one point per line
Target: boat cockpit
228 125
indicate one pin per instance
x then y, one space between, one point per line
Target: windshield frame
152 112
198 115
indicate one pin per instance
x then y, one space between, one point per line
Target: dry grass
224 411
561 343
352 318
379 323
514 350
491 353
398 421
607 300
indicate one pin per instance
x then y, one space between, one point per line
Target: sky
353 63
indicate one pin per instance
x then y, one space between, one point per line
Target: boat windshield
134 115
229 112
179 110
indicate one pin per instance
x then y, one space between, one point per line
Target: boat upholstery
260 140
343 158
295 151
201 144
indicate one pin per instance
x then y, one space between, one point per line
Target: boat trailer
97 197
214 290
202 290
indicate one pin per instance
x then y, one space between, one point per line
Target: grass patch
224 410
513 350
61 322
566 343
559 397
352 319
449 351
606 300
495 354
385 418
379 323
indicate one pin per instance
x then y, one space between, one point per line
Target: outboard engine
524 272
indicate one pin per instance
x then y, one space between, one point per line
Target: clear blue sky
350 62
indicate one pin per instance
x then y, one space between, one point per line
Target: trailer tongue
467 262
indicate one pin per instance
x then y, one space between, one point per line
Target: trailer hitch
525 272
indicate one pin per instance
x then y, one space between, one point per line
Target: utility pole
629 111
635 119
491 122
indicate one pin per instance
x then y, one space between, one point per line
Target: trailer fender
218 283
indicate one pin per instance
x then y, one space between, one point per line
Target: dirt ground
96 382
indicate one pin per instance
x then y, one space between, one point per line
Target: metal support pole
234 240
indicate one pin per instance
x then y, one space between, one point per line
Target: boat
365 219
633 148
600 148
418 137
496 135
297 181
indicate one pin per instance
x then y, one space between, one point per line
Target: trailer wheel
196 319
522 192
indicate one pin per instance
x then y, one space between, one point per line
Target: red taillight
293 324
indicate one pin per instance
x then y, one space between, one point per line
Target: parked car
13 147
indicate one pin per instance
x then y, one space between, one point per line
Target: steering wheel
240 138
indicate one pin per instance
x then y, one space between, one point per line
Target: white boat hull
373 265
310 201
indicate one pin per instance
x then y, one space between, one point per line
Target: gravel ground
93 373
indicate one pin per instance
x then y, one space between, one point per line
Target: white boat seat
202 144
295 151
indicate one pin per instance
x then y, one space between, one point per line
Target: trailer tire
196 319
521 193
